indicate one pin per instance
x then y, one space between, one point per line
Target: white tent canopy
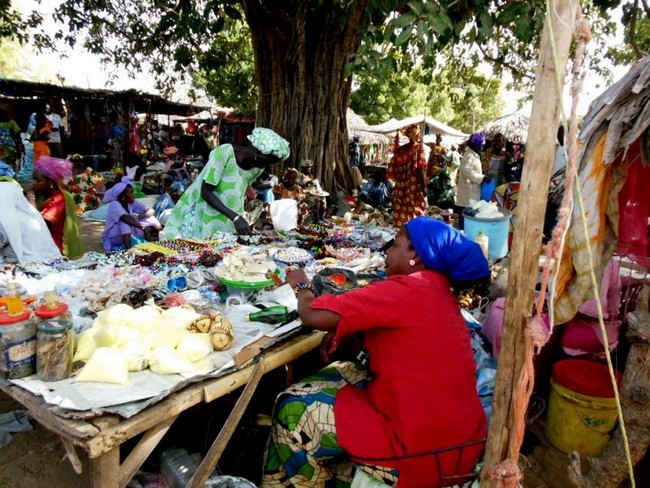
449 134
435 126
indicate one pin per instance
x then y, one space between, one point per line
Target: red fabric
634 210
422 395
53 211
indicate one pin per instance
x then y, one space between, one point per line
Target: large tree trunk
301 52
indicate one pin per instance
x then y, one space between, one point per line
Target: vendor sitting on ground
289 188
57 205
316 197
24 236
214 202
165 203
377 190
263 187
417 392
128 222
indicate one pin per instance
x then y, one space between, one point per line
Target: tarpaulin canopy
435 127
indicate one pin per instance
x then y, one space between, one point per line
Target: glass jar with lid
55 340
17 337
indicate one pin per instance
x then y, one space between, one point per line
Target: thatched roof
514 127
357 127
623 110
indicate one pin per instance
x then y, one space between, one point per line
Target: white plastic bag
284 214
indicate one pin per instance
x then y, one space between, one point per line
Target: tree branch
633 41
500 62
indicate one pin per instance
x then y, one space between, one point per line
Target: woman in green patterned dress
214 202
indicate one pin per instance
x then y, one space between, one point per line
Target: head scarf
412 132
442 248
476 141
55 169
6 170
115 192
306 163
268 142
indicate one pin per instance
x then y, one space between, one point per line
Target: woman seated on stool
128 222
418 391
289 188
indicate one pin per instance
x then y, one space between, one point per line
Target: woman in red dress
407 170
412 392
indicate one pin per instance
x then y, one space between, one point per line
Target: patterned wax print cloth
409 190
192 216
83 187
303 449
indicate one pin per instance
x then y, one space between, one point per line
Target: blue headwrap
6 170
114 193
442 248
476 141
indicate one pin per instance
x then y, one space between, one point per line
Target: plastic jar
54 342
18 342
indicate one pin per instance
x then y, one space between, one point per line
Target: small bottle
273 315
55 339
14 302
482 240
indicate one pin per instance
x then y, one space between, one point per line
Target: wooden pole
524 263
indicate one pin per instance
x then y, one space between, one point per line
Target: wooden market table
102 436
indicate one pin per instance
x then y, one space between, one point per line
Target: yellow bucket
578 422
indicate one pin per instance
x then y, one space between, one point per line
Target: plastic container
497 231
55 340
18 343
177 467
582 408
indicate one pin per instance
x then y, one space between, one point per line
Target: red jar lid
585 377
47 313
6 319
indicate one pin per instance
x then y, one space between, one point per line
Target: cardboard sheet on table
73 395
143 385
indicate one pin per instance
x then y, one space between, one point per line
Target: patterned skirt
303 449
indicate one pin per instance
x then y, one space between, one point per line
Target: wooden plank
72 456
141 451
105 469
508 410
214 454
176 403
289 351
69 428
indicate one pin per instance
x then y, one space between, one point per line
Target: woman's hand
241 226
326 346
296 276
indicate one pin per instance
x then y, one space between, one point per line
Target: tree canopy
305 52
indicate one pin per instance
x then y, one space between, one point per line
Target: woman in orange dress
407 171
41 137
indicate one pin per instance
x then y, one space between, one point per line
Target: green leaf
232 12
438 22
403 20
524 29
417 7
511 12
404 36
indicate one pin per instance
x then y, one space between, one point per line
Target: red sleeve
420 161
53 209
374 306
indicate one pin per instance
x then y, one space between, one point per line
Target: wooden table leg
212 457
105 469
